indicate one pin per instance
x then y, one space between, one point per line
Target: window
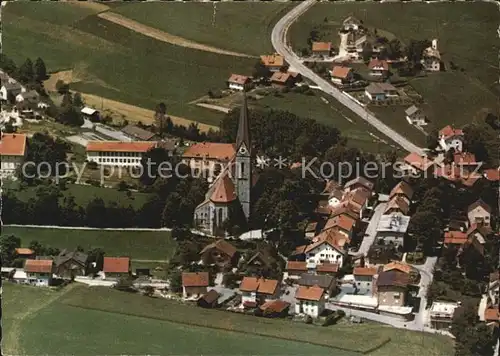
396 296
322 255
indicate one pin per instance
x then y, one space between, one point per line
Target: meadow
467 36
140 245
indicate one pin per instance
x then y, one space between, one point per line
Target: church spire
243 136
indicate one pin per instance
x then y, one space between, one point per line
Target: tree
96 213
160 118
40 70
415 50
261 71
61 87
78 101
367 52
8 245
394 49
11 98
432 139
70 116
26 72
148 291
175 280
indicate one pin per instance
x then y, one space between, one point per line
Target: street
371 231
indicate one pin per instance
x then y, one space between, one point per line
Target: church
232 186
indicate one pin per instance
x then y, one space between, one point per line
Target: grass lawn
466 34
141 245
242 27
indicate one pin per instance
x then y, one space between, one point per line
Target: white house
13 88
479 213
415 116
12 153
363 280
117 153
451 138
380 91
378 67
441 314
431 58
351 24
256 291
335 197
392 228
310 301
39 272
238 82
325 250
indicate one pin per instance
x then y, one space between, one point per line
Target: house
90 114
257 291
194 283
69 264
323 49
392 229
392 288
12 153
351 24
402 190
261 260
380 91
479 213
346 209
441 314
275 309
118 153
343 224
363 280
139 134
116 267
416 116
493 174
415 163
239 82
431 58
42 105
342 75
492 316
477 232
31 97
310 230
326 282
397 205
378 68
39 272
295 269
209 299
358 198
280 79
221 253
451 138
465 160
358 182
208 156
310 301
325 249
26 253
10 90
327 268
335 197
273 62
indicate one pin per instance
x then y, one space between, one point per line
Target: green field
141 245
242 27
83 321
466 34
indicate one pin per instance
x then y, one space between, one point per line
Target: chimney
434 43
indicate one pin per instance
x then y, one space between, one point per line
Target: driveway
371 231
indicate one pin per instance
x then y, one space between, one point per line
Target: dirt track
163 36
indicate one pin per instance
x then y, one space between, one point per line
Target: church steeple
243 136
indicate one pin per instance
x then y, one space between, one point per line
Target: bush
308 320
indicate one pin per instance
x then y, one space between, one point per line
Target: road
278 38
371 231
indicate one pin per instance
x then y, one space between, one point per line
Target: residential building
194 283
11 90
116 267
378 68
326 282
381 91
431 58
335 197
402 190
397 205
209 299
117 153
90 114
221 253
25 253
295 269
69 264
465 160
281 79
363 280
415 163
310 301
358 182
139 134
479 213
327 269
451 138
392 229
275 309
31 97
239 82
342 223
392 288
351 24
323 49
358 198
492 316
39 272
256 291
232 186
441 314
12 153
273 62
493 174
416 116
211 157
342 75
325 249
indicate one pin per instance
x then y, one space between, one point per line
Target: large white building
310 301
392 228
117 153
39 272
12 153
324 251
451 138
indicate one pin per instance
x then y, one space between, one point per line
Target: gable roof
12 144
378 63
491 314
30 95
138 133
341 71
464 158
238 79
116 265
263 256
380 88
210 150
319 280
224 191
261 285
364 271
195 279
321 46
397 265
455 237
24 251
274 306
280 77
325 239
249 284
12 86
475 227
210 297
273 60
38 266
296 266
393 278
343 222
313 293
120 146
492 174
420 162
479 203
221 245
344 209
66 255
402 188
448 132
327 268
360 180
398 202
411 110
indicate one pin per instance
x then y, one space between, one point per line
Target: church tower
243 172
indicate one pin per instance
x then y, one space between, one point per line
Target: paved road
371 231
278 38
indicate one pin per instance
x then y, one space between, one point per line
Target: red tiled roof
238 79
325 239
119 146
455 237
321 46
419 162
327 268
116 265
210 150
341 72
309 293
344 222
492 314
360 180
274 306
195 279
402 188
273 60
24 251
398 202
378 63
464 158
400 266
364 271
249 284
492 174
448 131
221 245
224 191
479 203
296 266
38 266
262 285
13 145
279 77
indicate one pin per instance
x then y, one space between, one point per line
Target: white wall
311 308
9 164
122 159
325 252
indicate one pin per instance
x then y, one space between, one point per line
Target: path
164 36
278 38
214 107
371 231
12 337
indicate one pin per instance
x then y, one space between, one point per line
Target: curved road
278 38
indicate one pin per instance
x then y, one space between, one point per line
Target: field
98 315
467 36
140 245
